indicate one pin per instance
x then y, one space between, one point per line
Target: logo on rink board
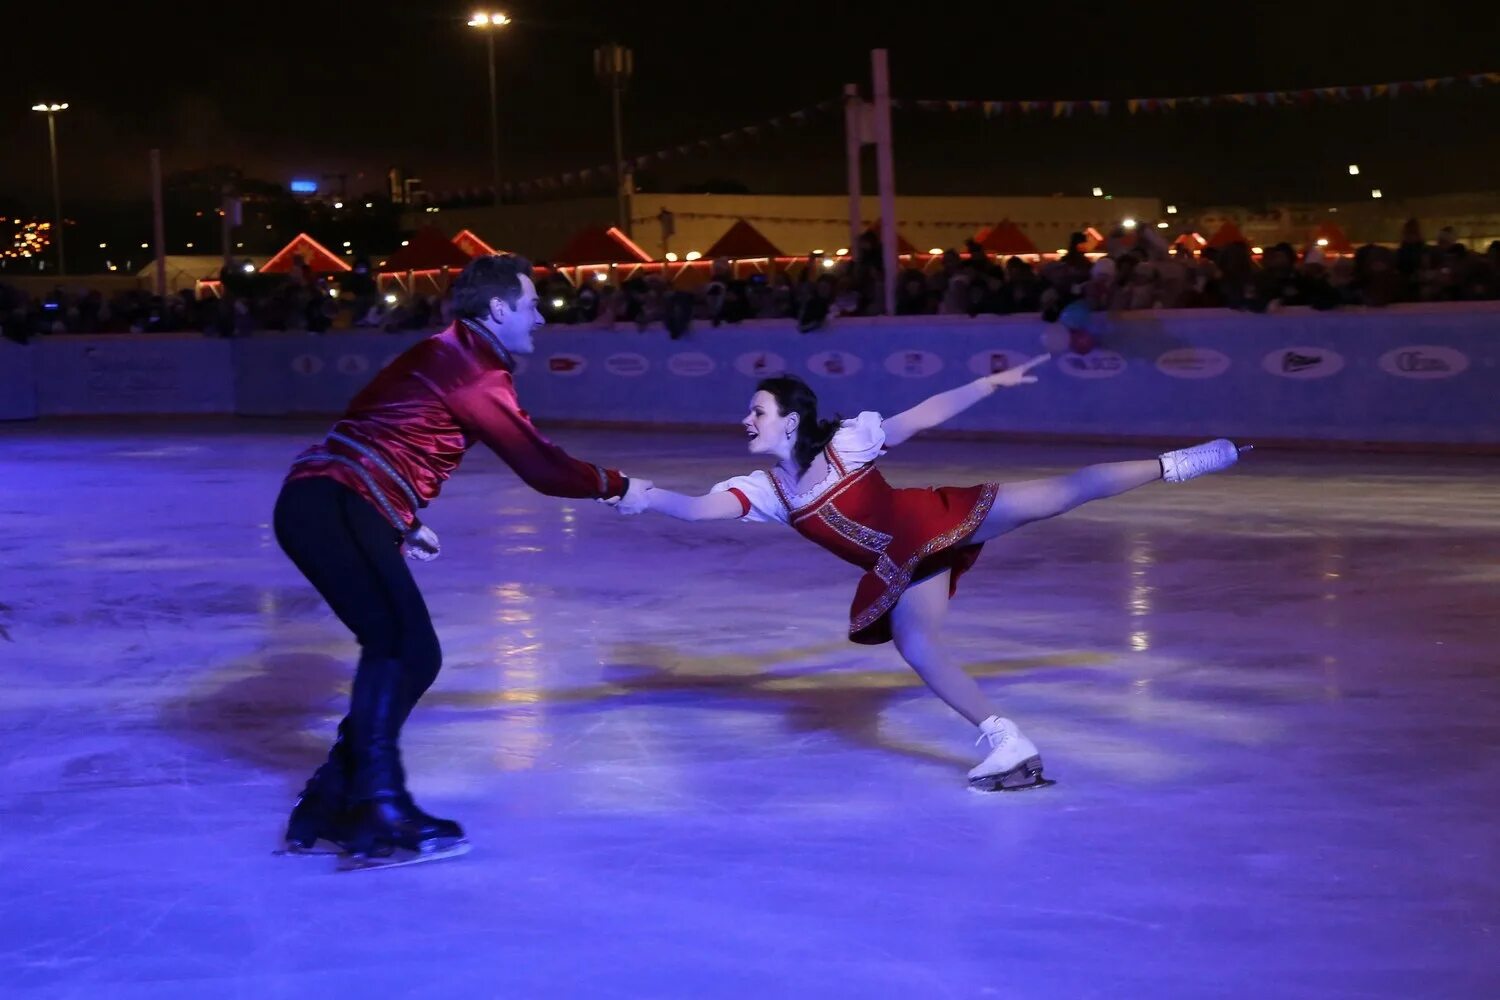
307 364
1424 361
914 364
996 360
352 364
690 364
760 364
1094 364
1193 362
566 365
627 364
834 364
1303 362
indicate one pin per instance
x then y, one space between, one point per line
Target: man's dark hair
485 278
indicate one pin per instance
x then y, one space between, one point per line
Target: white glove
634 500
421 543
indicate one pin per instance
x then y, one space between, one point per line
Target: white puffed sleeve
757 496
860 441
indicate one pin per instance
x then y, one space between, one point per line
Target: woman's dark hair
485 278
795 396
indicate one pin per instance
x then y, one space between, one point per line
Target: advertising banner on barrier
116 374
277 373
1398 375
1366 376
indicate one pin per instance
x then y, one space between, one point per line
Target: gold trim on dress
902 576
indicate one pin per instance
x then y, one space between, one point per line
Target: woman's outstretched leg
1039 499
917 627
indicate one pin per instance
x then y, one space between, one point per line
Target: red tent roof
903 245
743 241
597 245
427 250
1005 237
469 242
318 257
1228 233
1338 241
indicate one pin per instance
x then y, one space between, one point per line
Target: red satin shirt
418 417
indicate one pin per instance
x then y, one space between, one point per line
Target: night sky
314 88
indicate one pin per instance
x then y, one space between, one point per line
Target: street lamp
489 24
51 110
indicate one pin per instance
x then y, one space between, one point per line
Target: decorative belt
376 493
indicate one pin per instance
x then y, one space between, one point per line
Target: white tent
184 271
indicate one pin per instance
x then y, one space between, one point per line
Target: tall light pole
613 65
51 110
489 24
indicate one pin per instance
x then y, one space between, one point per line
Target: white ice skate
1013 763
1199 460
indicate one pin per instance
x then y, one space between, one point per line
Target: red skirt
929 529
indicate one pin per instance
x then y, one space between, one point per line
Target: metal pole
853 143
226 207
158 226
57 219
489 37
620 176
886 170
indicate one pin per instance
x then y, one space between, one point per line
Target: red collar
507 360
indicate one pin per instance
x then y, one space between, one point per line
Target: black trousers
351 554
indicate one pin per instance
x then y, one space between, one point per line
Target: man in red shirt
349 508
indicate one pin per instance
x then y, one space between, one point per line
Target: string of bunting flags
808 220
1254 99
1055 109
724 139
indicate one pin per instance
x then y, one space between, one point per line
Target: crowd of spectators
1130 271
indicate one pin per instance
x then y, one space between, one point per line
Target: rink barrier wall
1409 375
17 381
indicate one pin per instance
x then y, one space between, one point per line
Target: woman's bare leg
917 626
1039 499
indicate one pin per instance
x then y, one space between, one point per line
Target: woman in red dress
913 544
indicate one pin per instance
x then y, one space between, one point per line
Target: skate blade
400 858
320 849
1024 776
